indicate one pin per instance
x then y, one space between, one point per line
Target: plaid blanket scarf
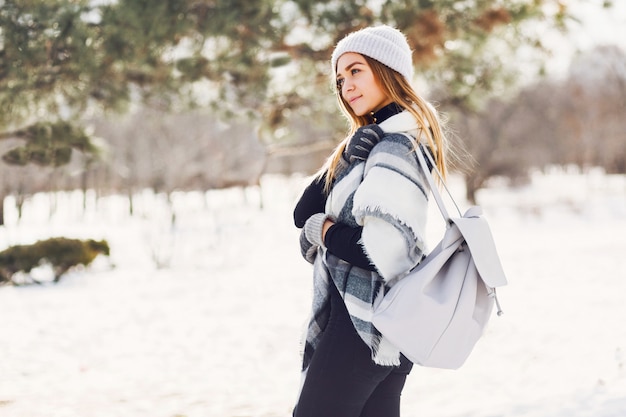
387 195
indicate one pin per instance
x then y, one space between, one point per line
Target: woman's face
357 85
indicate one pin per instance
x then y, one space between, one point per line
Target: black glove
362 142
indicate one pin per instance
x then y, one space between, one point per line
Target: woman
363 221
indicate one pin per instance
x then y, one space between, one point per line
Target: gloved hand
307 249
362 142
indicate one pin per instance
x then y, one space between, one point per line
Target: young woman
363 221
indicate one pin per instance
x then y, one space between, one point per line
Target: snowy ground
216 333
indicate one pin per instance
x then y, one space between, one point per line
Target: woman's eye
354 71
340 83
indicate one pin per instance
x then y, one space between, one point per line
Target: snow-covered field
216 332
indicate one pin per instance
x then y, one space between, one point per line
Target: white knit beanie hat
385 44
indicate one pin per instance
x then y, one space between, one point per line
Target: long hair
396 87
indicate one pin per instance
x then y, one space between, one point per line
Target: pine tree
62 59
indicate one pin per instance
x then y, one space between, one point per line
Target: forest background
180 95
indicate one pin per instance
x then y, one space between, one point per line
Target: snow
215 332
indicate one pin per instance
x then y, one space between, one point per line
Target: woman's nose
348 85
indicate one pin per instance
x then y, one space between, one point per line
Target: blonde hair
400 91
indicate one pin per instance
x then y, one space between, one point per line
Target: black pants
343 381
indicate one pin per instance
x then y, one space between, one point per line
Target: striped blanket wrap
388 196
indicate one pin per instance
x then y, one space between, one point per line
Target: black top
341 240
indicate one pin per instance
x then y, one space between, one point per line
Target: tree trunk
19 204
84 180
131 208
1 210
472 185
470 193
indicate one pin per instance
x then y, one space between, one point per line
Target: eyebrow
349 66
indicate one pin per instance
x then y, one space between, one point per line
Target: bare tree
495 150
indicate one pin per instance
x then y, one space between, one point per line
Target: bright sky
598 26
